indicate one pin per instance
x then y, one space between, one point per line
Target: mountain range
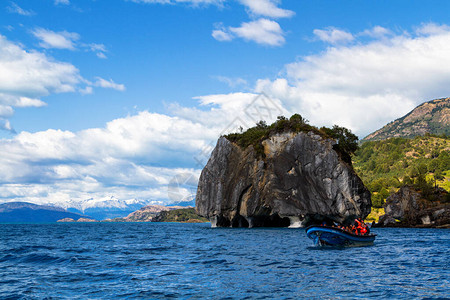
432 117
110 208
23 212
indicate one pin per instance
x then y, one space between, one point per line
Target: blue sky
102 99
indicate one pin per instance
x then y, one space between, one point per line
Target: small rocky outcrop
409 208
65 220
69 220
299 179
86 220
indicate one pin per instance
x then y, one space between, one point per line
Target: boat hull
330 236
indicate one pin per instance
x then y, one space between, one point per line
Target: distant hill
431 117
184 215
23 212
145 214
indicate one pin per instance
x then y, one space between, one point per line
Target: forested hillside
386 165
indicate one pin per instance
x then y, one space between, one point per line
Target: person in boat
361 227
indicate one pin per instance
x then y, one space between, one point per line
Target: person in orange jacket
359 226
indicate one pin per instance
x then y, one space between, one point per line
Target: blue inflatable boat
332 236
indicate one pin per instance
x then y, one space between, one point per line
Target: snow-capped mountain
108 207
105 208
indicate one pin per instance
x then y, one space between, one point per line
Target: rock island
287 174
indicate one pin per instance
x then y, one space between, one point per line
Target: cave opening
222 221
239 221
276 221
260 221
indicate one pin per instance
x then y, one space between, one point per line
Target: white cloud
109 84
28 102
261 31
58 40
266 8
26 76
221 34
30 74
6 125
64 2
364 86
14 8
98 49
333 35
67 40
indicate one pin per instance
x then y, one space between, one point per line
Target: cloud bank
365 85
135 157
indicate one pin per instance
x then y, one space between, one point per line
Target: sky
125 99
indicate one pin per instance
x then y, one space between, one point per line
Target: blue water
168 260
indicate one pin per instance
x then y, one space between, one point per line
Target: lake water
169 260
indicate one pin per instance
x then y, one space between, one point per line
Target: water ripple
163 261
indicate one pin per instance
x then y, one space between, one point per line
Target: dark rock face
301 179
408 208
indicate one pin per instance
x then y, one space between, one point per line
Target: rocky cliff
409 208
299 179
